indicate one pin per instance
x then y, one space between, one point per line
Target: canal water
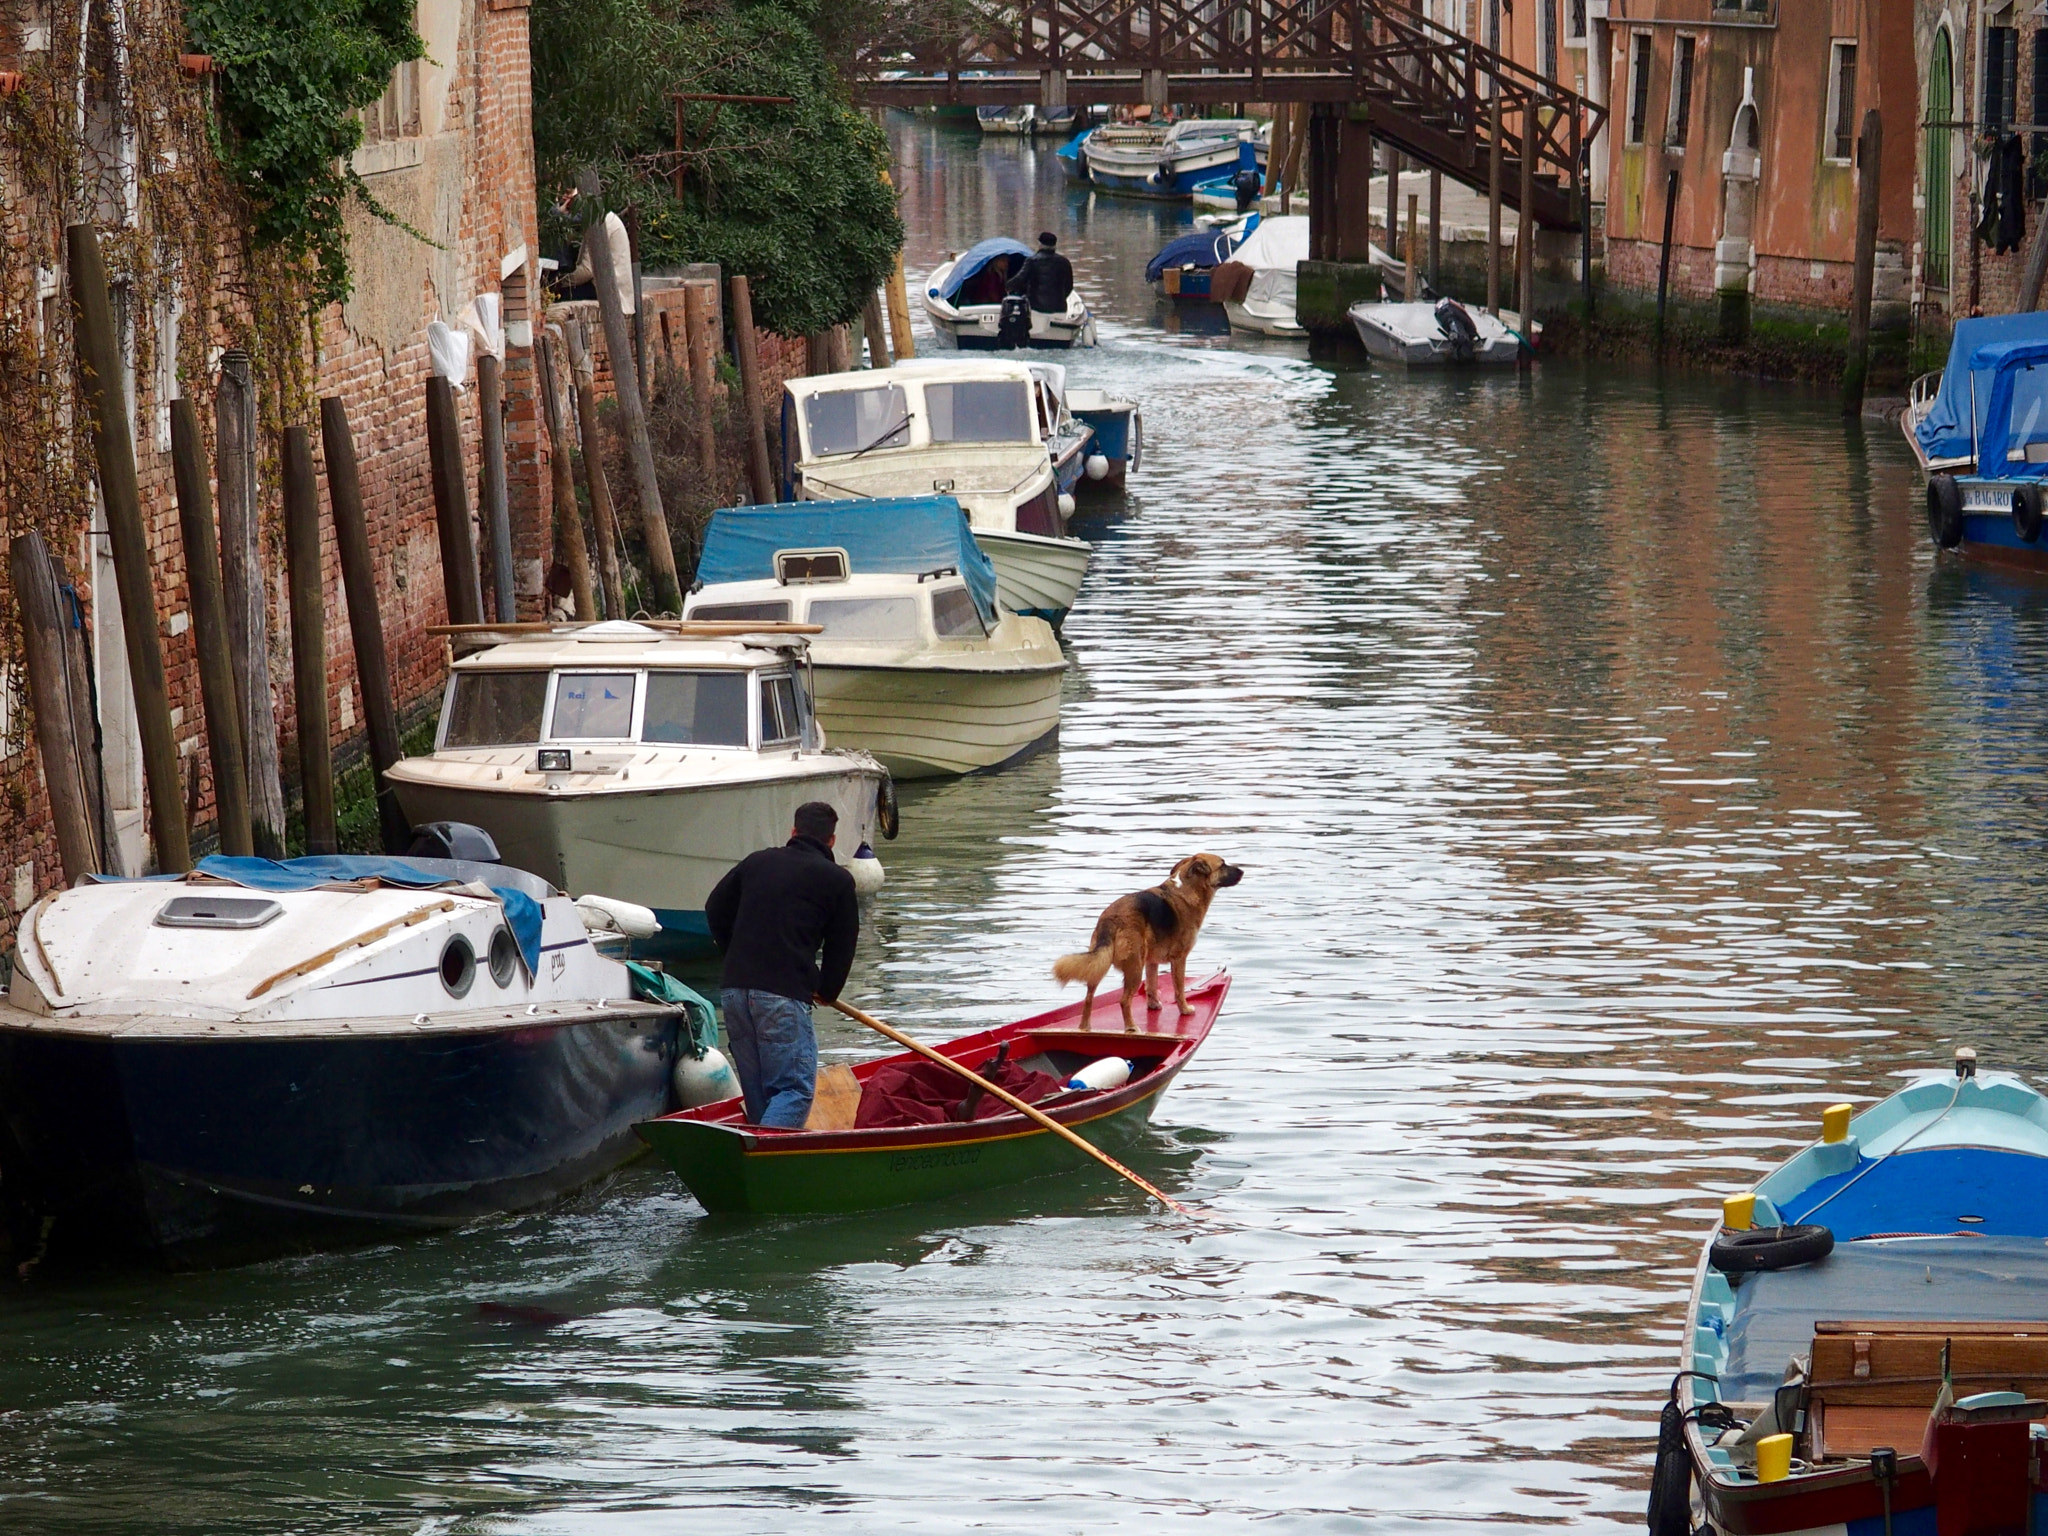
1618 779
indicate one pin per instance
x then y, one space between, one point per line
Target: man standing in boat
769 917
1046 278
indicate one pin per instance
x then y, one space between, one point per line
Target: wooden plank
835 1101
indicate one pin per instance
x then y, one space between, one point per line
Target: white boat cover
1276 243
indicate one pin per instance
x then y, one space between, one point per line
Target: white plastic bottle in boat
1109 1072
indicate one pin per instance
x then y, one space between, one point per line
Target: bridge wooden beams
1339 183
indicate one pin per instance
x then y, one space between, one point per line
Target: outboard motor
453 840
1455 321
1245 184
1013 322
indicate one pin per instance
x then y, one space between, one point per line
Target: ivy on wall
293 75
792 196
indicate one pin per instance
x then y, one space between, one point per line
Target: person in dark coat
769 917
1046 278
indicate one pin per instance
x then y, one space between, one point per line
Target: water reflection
1618 779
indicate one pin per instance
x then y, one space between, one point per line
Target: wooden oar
1012 1100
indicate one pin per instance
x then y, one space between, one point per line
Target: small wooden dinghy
732 1166
1866 1346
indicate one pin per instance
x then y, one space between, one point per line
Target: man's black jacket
1046 280
773 910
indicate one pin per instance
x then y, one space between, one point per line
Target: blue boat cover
975 259
1204 248
1071 150
907 535
1945 432
2017 412
522 912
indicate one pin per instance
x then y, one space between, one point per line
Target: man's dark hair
816 819
1048 239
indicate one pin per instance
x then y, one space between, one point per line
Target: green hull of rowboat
728 1170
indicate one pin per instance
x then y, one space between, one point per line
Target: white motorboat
1170 162
263 1056
1443 334
1026 120
963 298
642 759
916 663
994 434
1257 284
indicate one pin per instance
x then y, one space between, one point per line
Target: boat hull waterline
733 1167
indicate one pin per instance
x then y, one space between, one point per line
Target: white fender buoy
867 871
1097 467
607 914
706 1079
1109 1072
1066 505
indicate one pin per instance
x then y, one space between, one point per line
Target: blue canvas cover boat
1984 439
1181 268
1866 1346
1069 154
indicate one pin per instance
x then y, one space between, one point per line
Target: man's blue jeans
775 1052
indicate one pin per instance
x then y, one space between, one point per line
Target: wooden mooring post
365 618
210 633
899 312
1869 163
43 642
603 521
99 357
309 640
568 515
700 347
760 479
1493 206
490 414
451 505
1525 239
244 595
1664 253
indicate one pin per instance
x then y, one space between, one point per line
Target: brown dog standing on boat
1138 933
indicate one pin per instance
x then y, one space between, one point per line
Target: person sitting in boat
1046 278
769 917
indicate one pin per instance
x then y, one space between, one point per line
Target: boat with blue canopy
1866 1344
964 299
1182 266
1983 438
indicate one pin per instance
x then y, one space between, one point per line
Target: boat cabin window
776 612
848 420
593 706
495 709
980 411
865 618
696 709
2029 415
954 615
779 720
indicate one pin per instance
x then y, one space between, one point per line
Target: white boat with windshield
915 661
994 435
644 760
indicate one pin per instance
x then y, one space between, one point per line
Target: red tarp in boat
925 1093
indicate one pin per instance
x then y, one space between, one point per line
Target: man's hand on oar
1010 1099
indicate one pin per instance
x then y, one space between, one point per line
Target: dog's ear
1184 868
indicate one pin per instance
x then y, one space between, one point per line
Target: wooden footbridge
1428 91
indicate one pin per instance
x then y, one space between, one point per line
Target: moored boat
1984 441
1433 335
1257 284
994 434
1026 120
1118 439
1169 164
1180 269
264 1056
964 298
730 1165
1858 1350
639 760
917 664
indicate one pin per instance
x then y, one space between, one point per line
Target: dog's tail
1089 966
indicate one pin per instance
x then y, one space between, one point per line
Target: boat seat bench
1874 1383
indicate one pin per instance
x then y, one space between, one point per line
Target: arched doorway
1938 220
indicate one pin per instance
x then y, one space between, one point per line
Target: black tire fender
1768 1248
888 819
2026 511
1945 511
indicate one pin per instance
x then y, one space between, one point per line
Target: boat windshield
980 411
593 706
495 709
773 613
954 615
2029 435
850 420
865 618
696 709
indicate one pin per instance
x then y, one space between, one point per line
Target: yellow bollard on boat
1773 1458
1738 1212
1834 1122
